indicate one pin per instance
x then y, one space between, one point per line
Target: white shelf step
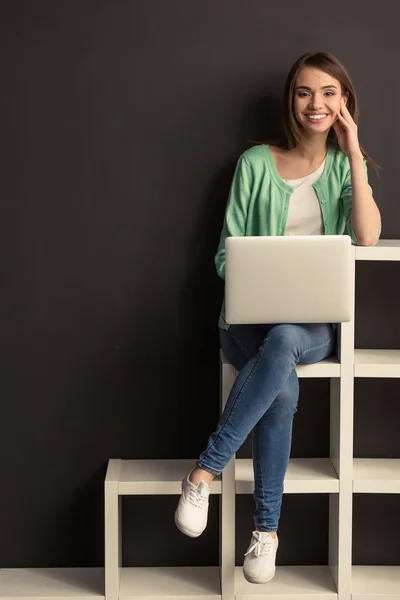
303 476
305 583
384 250
146 477
60 584
329 367
377 363
376 476
183 583
375 582
195 583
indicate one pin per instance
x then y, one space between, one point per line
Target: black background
121 123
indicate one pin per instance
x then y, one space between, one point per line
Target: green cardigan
259 199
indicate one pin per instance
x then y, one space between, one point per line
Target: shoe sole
253 580
182 529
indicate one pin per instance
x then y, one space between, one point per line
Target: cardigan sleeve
236 210
346 199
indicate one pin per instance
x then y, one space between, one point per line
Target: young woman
313 184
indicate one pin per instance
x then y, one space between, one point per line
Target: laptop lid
288 279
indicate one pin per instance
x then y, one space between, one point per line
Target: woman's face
312 96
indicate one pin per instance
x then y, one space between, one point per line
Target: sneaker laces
197 498
261 545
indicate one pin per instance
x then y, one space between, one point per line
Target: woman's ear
346 97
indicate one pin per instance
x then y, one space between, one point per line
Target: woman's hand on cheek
346 131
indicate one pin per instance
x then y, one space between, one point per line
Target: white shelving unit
60 584
340 475
144 477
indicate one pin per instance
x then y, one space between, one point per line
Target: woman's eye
302 94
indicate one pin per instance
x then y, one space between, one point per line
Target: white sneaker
259 562
192 512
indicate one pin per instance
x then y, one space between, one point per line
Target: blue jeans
264 399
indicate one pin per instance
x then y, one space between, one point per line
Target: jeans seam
262 481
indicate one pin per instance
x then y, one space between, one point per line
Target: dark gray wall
121 124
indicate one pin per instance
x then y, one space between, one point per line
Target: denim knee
285 337
286 334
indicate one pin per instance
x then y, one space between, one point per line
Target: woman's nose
316 102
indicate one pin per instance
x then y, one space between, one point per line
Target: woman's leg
259 383
272 440
272 437
239 343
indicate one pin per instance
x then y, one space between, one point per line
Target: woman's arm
236 211
362 215
365 215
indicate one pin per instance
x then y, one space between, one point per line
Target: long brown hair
330 64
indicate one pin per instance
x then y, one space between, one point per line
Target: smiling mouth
316 119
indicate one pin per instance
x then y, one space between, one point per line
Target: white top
304 215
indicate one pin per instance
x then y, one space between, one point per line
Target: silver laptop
288 279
